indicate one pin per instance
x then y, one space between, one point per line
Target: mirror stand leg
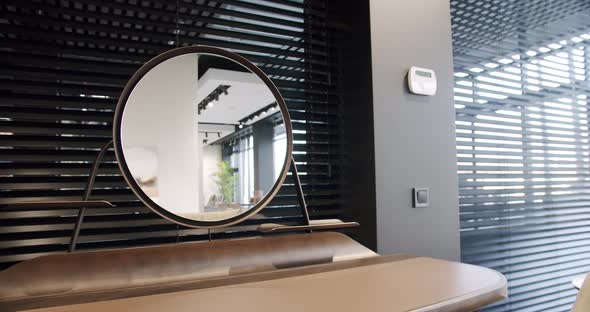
87 192
299 190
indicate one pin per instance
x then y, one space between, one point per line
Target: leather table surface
416 284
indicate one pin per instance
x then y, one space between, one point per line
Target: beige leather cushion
411 284
122 268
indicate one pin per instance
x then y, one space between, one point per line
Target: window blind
521 99
63 66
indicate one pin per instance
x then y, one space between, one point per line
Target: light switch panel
421 197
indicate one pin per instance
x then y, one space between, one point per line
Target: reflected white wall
211 156
161 116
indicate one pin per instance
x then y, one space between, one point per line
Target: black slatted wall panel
521 94
64 63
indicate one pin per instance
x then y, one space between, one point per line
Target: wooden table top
414 284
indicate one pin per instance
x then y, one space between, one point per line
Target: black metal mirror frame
119 148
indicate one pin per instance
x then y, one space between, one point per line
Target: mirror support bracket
87 192
309 225
300 196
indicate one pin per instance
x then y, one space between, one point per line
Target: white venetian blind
521 95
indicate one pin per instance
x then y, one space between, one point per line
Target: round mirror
202 136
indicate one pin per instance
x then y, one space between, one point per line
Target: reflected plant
226 181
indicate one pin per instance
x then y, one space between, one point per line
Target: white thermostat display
422 81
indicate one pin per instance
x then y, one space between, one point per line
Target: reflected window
279 148
242 156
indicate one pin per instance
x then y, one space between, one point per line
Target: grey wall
414 135
263 133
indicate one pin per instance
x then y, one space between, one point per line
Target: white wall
211 156
414 135
161 116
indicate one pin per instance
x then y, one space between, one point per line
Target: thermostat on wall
422 81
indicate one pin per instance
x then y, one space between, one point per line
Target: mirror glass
203 137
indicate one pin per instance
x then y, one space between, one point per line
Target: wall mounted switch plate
421 197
